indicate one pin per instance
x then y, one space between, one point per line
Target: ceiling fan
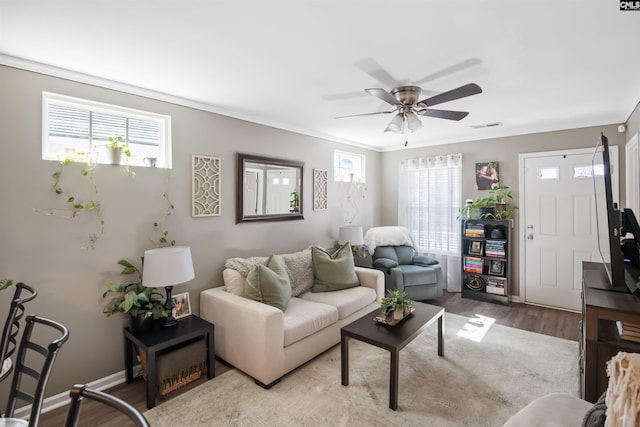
407 107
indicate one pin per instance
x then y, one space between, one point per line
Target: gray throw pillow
333 272
269 283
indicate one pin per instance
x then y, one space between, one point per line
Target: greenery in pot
117 143
134 298
396 302
497 205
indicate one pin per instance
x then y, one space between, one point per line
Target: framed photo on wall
487 175
181 305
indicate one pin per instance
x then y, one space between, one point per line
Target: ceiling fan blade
461 92
468 63
444 114
384 95
375 70
365 114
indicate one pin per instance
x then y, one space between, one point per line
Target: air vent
487 125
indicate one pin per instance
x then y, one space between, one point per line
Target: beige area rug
480 382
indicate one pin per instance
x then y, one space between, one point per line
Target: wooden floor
531 318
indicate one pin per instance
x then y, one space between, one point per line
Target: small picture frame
496 267
475 247
181 305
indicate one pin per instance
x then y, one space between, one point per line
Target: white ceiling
543 65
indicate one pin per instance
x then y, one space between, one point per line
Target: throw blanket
623 392
387 236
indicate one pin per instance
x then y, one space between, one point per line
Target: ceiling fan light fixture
413 122
396 125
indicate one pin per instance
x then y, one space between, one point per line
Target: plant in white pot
116 148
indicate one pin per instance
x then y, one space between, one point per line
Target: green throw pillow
269 283
333 272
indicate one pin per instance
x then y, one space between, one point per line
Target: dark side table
159 339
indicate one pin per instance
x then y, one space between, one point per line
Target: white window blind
429 201
76 129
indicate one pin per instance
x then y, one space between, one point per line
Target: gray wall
45 251
504 150
633 124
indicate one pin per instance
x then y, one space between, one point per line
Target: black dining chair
33 360
80 391
12 327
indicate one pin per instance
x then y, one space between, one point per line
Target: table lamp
166 268
351 234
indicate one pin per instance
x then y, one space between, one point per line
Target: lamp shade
168 266
413 122
351 234
397 124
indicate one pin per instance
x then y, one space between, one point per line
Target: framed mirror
268 189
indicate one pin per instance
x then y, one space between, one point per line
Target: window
347 165
79 129
429 202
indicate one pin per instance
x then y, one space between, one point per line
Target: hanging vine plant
75 204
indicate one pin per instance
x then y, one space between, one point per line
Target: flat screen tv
619 254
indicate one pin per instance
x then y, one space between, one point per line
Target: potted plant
396 304
503 202
116 148
141 303
497 205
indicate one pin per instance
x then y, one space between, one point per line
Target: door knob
530 236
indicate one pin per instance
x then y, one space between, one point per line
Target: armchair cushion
333 272
384 263
414 275
269 283
424 260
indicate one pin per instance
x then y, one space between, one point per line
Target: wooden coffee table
391 338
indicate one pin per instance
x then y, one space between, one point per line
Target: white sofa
265 342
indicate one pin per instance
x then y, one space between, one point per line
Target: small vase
398 314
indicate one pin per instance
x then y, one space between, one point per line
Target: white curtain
429 199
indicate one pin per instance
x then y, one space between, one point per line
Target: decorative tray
381 318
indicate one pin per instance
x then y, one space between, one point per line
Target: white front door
559 225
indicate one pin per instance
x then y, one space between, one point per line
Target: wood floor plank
541 320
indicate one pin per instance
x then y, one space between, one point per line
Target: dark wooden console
600 338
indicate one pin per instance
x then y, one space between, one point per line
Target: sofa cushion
233 281
346 301
387 252
555 409
304 318
333 272
243 265
300 270
269 283
405 254
418 275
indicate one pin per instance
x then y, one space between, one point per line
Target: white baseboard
62 399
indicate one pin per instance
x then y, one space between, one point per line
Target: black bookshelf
485 250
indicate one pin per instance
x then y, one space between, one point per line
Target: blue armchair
417 275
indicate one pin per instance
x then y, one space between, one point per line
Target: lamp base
168 306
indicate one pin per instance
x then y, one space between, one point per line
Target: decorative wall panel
205 186
320 189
